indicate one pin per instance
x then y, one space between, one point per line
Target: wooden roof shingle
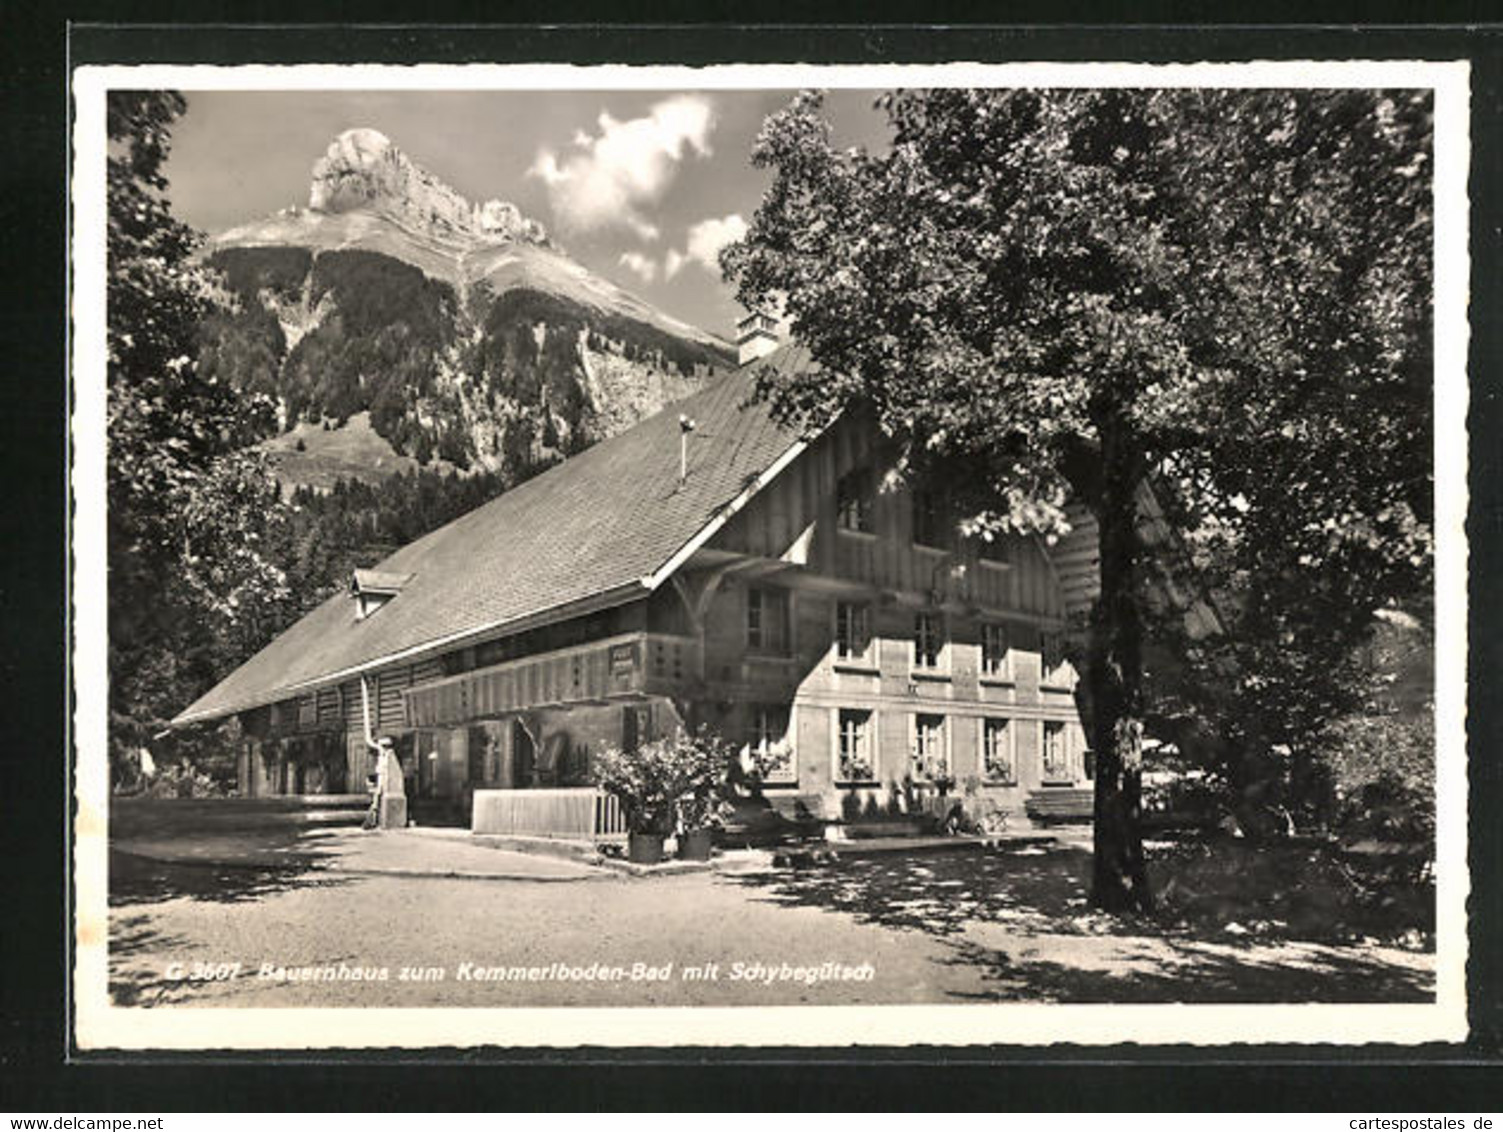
609 519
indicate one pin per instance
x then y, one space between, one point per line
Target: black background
38 1069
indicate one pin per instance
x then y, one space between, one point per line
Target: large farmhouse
707 567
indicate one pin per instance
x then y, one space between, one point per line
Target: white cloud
607 178
706 239
643 267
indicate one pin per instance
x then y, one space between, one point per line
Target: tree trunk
1115 683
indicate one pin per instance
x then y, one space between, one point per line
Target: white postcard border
100 1025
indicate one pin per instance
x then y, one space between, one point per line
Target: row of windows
929 750
767 742
767 632
933 524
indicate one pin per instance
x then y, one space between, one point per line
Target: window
927 759
1056 765
996 550
994 654
854 501
856 746
996 751
1056 669
930 520
928 640
853 638
767 621
767 742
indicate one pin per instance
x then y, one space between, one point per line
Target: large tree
1054 294
192 513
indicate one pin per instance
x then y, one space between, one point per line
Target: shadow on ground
137 975
1197 973
1240 943
938 893
142 880
219 849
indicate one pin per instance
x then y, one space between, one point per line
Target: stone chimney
757 335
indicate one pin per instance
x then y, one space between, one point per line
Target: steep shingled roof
605 520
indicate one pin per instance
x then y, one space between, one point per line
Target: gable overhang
729 511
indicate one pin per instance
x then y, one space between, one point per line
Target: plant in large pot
673 783
702 802
647 780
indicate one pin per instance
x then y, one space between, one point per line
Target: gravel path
941 928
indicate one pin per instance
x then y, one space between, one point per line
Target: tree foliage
189 582
1054 294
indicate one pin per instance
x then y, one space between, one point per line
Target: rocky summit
459 331
362 169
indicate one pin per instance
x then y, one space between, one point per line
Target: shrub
182 780
1383 773
674 781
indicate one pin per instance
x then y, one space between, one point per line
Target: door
428 757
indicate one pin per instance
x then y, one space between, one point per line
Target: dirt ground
921 928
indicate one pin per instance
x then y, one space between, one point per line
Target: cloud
705 241
644 267
607 178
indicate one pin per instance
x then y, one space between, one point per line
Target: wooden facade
983 700
843 626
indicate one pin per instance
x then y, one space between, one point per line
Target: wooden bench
1059 805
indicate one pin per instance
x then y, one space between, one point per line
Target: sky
642 187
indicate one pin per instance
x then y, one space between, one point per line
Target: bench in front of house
1060 805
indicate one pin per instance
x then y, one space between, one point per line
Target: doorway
524 757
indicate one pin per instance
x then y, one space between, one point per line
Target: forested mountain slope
461 330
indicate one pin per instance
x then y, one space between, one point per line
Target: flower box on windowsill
858 667
997 681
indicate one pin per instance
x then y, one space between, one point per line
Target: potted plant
702 802
647 781
698 819
672 783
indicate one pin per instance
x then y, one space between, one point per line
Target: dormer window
372 589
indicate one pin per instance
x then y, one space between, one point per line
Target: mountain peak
363 170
